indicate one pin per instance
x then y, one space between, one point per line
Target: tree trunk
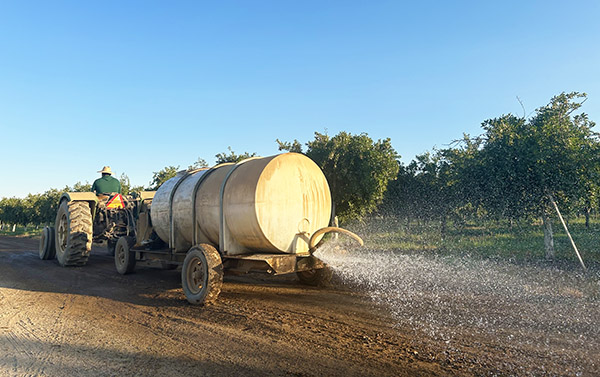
444 225
548 236
587 218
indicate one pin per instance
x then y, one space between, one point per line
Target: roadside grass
21 231
491 240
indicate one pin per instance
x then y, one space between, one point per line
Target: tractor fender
89 197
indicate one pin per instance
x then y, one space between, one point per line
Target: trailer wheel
317 277
73 233
47 246
202 274
124 256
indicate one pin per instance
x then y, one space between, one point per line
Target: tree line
512 171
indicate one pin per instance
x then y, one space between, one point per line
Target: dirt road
91 321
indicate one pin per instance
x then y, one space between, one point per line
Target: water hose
312 247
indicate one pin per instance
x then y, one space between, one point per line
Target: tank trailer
263 214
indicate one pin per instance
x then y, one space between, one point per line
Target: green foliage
200 163
125 184
508 173
33 209
525 161
434 187
161 176
232 156
14 211
81 187
357 169
294 146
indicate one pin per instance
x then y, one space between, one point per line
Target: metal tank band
269 204
222 227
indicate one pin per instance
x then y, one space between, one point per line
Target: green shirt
106 184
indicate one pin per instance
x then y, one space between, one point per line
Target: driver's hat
105 170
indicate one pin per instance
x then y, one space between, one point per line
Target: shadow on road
21 268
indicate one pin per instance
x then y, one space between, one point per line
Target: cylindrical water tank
271 204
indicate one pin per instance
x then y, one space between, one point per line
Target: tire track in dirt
20 357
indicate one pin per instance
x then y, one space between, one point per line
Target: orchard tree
200 163
13 211
589 174
357 169
529 162
163 175
232 156
436 185
81 187
47 205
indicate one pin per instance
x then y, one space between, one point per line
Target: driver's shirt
106 184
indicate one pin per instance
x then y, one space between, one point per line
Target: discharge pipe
314 245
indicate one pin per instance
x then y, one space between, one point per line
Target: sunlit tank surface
270 204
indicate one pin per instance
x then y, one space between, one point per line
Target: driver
106 184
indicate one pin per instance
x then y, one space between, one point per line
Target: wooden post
568 233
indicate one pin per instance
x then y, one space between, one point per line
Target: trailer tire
320 277
202 274
124 256
73 233
47 244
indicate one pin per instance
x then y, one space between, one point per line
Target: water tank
269 204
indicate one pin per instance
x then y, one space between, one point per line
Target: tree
357 169
428 188
294 146
13 211
528 162
47 206
232 156
200 163
81 187
161 176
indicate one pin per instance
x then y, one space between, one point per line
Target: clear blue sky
142 85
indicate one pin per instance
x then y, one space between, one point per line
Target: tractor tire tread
80 234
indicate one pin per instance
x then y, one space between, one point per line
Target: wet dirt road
92 321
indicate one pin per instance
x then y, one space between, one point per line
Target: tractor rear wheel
124 256
202 274
47 245
73 233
